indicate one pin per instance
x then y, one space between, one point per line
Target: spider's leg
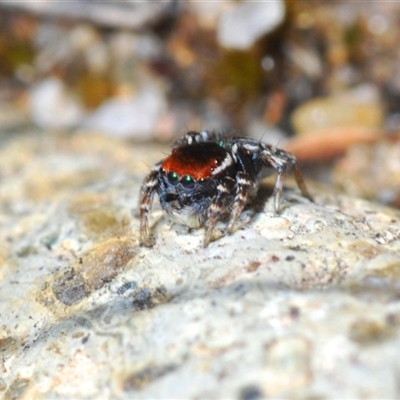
282 161
243 183
147 192
216 209
278 189
300 182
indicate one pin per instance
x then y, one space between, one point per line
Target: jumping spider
209 176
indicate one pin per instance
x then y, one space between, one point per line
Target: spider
210 176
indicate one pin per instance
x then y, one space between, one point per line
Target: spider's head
188 181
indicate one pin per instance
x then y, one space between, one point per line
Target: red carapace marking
196 160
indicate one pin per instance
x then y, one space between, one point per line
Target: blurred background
320 78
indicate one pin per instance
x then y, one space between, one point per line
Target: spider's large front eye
173 177
187 182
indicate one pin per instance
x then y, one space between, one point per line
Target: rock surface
305 304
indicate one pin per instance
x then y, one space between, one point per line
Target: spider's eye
173 177
187 182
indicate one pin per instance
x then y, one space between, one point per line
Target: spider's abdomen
199 161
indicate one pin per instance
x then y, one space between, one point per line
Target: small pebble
135 116
360 107
245 22
52 107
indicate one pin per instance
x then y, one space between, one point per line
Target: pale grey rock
360 107
121 14
304 304
307 60
378 162
135 116
260 130
143 46
245 22
56 45
208 13
12 117
51 106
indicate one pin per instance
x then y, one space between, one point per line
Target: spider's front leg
282 162
147 192
243 184
217 208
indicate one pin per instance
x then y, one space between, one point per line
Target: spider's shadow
265 191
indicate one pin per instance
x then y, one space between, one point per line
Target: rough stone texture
301 305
